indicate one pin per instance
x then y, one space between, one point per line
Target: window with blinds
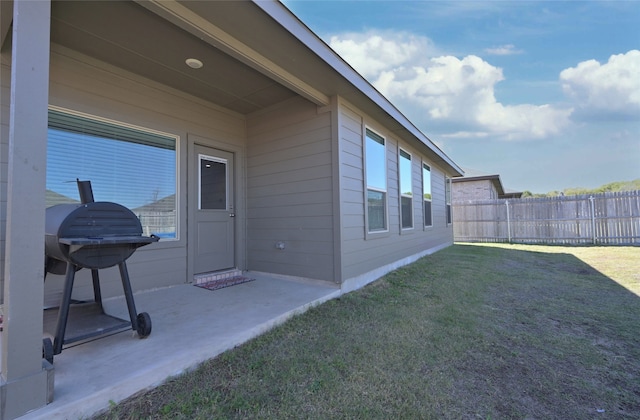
131 166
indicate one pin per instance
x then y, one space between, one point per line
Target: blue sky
546 93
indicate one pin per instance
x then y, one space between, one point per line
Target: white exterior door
214 215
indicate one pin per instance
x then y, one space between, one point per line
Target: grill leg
63 311
97 294
128 294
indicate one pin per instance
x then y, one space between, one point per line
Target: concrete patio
190 325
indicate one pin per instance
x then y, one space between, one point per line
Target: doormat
221 283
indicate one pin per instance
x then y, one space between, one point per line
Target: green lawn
471 332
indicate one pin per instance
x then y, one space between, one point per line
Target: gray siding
289 191
5 83
82 84
362 252
289 185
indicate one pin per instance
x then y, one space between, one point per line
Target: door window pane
213 183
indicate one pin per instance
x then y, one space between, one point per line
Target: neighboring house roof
166 204
475 175
509 193
53 198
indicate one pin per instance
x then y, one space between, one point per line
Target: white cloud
447 91
372 52
605 90
508 49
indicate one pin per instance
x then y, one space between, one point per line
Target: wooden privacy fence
605 219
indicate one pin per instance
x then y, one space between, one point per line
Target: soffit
135 39
249 25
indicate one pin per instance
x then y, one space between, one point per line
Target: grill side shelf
108 240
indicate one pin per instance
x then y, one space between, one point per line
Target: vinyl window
376 174
447 186
406 189
128 165
426 194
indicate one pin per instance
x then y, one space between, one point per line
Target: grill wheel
144 325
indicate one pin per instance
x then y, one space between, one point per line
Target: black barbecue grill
93 235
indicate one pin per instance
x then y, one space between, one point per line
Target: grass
473 331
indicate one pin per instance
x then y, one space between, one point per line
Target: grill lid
92 235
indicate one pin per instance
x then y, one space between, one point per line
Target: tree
610 187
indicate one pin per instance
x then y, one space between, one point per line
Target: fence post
593 218
508 222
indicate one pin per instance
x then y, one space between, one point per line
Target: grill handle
85 190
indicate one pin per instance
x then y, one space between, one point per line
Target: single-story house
232 131
475 185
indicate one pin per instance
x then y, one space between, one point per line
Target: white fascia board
193 23
291 23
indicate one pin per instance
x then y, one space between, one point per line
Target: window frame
385 191
424 199
401 194
447 199
132 127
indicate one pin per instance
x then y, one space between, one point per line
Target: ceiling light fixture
194 63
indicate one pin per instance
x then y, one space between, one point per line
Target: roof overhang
256 53
201 27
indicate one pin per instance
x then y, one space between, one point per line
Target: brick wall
473 190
